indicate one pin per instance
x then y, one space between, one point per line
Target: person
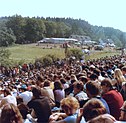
123 112
93 91
25 94
59 92
70 106
47 91
24 110
10 114
79 93
120 82
113 98
40 106
123 69
91 109
104 118
8 98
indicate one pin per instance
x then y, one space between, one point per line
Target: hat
23 87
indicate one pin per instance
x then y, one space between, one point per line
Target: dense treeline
20 30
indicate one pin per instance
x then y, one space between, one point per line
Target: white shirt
26 96
10 99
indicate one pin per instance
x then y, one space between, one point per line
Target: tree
17 23
34 30
51 28
4 56
7 37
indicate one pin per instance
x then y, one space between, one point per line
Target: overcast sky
107 13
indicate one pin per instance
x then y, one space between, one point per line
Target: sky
106 13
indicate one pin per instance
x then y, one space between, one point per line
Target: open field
30 52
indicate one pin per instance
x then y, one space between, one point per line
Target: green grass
103 54
30 52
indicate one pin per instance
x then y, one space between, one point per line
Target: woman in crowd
120 80
10 114
70 106
59 92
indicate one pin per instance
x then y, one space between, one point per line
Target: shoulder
71 119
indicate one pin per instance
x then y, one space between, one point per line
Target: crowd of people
72 92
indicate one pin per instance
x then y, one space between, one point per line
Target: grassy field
30 52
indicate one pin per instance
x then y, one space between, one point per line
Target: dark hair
93 76
79 85
46 83
58 85
24 110
93 88
106 82
36 92
7 91
62 80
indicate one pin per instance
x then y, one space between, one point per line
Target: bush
46 60
77 53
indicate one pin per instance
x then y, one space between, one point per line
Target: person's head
123 69
24 110
84 79
69 105
36 92
118 75
117 72
62 80
93 108
78 86
6 92
46 83
23 88
104 118
106 85
93 77
92 89
58 85
123 112
10 114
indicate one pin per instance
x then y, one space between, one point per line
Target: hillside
23 30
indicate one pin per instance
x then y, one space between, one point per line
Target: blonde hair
70 102
118 75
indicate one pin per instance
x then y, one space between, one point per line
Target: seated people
70 106
91 109
112 97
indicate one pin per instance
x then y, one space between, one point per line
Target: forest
23 30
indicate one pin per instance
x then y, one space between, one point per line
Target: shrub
77 53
